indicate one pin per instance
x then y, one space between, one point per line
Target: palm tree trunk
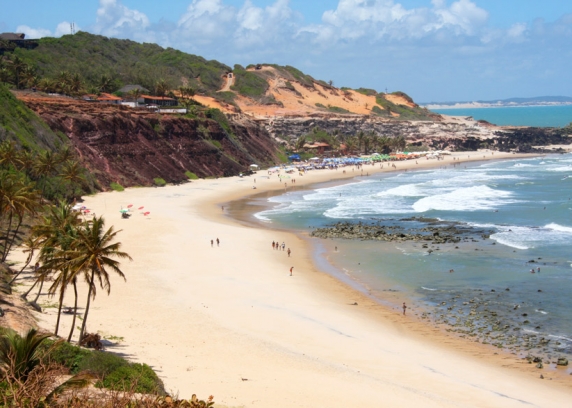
74 311
62 292
5 251
39 291
25 295
23 267
11 241
82 331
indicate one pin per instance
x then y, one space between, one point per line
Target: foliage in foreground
32 368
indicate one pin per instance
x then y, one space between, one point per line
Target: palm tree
76 84
73 172
17 199
30 245
20 355
105 83
300 143
93 254
56 235
360 137
18 65
161 88
8 154
351 145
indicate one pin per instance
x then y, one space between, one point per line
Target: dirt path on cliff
229 83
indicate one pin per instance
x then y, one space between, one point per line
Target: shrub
191 176
100 363
159 182
69 356
116 186
137 377
216 143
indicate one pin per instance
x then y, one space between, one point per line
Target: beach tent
254 166
294 157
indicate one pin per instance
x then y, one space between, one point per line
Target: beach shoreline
231 322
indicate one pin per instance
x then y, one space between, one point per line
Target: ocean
483 287
539 116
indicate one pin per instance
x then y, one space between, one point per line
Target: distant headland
503 103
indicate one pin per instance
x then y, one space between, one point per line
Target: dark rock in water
492 290
539 290
436 231
507 289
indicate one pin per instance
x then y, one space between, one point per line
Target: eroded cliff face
132 147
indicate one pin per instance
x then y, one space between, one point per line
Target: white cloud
389 20
116 20
206 20
257 26
33 33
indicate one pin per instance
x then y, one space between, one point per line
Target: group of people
277 246
217 242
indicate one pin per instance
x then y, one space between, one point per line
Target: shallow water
526 203
539 116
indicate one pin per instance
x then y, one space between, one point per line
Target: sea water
484 284
539 116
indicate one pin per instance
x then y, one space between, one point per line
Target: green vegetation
24 127
113 63
140 375
378 111
248 83
116 186
404 96
159 182
405 112
367 91
220 118
334 109
191 175
337 109
215 143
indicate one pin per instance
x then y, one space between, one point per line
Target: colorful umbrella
130 205
140 208
123 210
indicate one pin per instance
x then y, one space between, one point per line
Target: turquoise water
526 204
539 116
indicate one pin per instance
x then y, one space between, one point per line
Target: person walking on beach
289 252
273 245
291 269
217 242
283 246
404 308
212 243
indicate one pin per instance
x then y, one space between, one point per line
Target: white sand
231 322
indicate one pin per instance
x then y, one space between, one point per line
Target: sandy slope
231 322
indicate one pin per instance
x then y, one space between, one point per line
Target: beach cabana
254 167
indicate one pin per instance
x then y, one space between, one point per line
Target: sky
434 50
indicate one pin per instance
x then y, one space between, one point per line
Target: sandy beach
230 321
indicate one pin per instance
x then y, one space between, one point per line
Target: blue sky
434 50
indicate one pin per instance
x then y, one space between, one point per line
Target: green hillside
111 63
22 126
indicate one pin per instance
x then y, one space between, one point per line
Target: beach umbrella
147 213
123 210
130 205
140 208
